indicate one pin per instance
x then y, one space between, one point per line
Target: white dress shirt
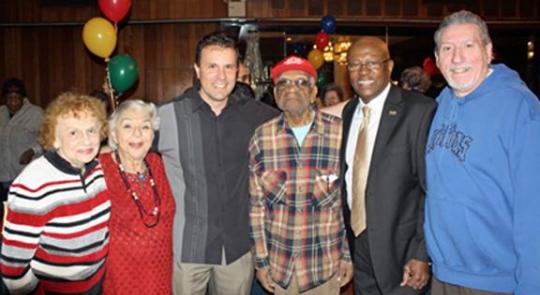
376 105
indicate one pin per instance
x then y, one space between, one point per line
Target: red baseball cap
292 63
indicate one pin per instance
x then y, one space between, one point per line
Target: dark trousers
364 275
257 289
365 282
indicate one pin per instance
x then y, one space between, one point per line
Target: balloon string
113 100
109 90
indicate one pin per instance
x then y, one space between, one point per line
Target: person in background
382 152
332 95
333 100
142 206
19 126
243 81
203 138
296 218
244 74
268 98
483 155
415 79
55 238
244 90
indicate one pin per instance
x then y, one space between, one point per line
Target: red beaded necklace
149 219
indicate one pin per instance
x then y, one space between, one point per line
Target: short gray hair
462 17
128 105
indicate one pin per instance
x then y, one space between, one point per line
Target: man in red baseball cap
293 63
296 217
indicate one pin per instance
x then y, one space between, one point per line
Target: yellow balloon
99 36
316 58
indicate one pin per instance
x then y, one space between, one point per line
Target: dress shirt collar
376 104
236 97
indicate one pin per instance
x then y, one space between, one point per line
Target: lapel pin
392 112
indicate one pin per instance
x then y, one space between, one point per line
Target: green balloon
321 79
122 71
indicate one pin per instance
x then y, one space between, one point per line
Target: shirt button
300 189
299 210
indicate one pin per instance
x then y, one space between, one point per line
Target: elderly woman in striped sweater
55 237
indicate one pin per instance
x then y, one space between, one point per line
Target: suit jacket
395 191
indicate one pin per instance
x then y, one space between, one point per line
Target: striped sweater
55 238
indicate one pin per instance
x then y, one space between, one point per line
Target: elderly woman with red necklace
142 207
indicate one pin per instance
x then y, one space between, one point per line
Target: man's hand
415 274
26 157
264 277
345 273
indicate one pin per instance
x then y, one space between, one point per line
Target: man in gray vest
203 138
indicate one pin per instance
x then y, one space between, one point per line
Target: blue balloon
299 48
328 24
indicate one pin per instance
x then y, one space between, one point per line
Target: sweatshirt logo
448 137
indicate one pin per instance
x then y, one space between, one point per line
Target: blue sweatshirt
482 210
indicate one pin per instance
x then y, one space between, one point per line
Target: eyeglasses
370 65
300 84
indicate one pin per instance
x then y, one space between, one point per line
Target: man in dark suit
384 137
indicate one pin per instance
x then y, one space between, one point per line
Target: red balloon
429 66
115 10
321 40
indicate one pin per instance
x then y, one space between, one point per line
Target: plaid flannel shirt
295 214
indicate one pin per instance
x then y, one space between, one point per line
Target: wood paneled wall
35 11
395 9
53 59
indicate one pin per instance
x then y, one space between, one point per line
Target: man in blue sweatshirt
482 210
